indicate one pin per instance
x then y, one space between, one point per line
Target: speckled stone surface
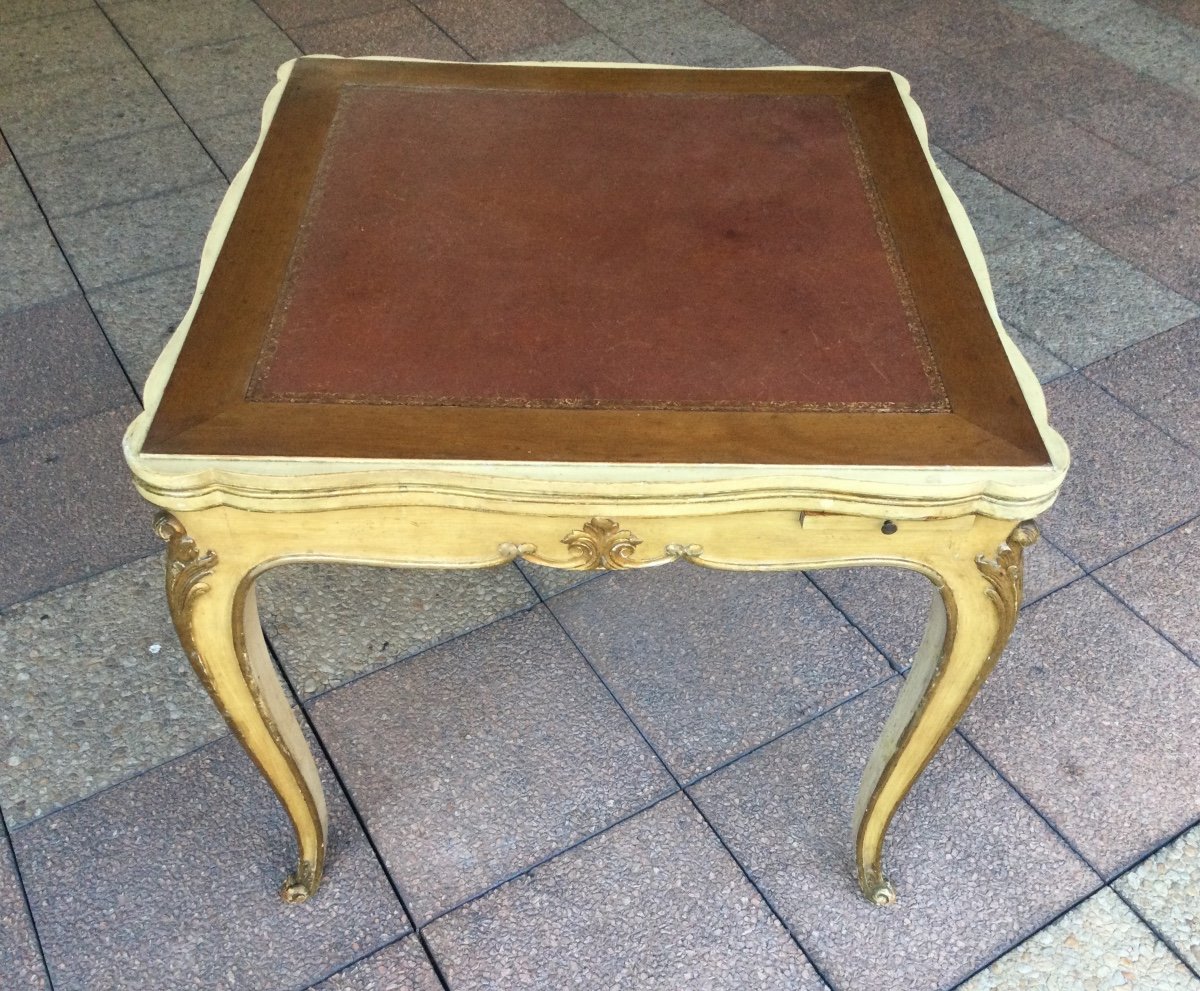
158 233
20 959
331 623
217 79
152 27
34 268
1164 890
592 47
230 138
1099 944
998 216
74 41
489 31
551 581
189 859
403 966
398 29
1155 581
97 689
56 366
129 167
1128 481
1160 378
1096 720
595 918
477 759
48 540
712 663
891 605
140 315
18 208
975 868
1080 301
1157 233
77 109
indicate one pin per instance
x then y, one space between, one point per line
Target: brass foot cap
882 894
295 891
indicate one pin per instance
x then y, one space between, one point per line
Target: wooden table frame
227 520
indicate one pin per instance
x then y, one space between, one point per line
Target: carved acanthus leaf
1004 575
186 570
602 544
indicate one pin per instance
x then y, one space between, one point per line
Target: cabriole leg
970 621
213 606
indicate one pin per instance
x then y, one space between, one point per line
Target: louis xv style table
453 315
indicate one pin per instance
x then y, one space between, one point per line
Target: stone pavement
537 782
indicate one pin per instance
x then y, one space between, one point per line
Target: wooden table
594 317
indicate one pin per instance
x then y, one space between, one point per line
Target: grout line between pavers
1133 409
90 576
165 95
71 268
1153 927
158 194
1028 936
37 936
887 658
341 784
1121 599
654 750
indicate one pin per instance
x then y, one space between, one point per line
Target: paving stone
68 508
130 167
34 268
187 859
46 115
1182 10
551 581
98 690
593 47
331 623
998 216
20 958
1163 890
689 33
1149 581
151 27
1094 718
1053 74
18 208
975 868
1160 378
963 27
1148 41
709 663
402 30
56 366
489 31
1063 169
1159 233
231 138
140 315
890 605
1046 366
402 966
477 759
1152 121
294 13
1128 481
793 26
114 243
218 79
1099 944
74 41
21 10
653 903
1065 14
1078 300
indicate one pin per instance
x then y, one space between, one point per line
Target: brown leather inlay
490 247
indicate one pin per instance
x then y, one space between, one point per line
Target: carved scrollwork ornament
1005 575
186 570
601 544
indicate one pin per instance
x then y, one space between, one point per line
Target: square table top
566 264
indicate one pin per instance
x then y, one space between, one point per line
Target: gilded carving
602 544
186 570
1005 576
